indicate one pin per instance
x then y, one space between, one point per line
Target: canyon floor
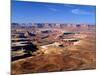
78 57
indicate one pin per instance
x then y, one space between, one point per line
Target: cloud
53 9
79 11
70 6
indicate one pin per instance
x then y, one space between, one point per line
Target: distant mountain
15 24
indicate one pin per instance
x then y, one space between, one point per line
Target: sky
39 12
